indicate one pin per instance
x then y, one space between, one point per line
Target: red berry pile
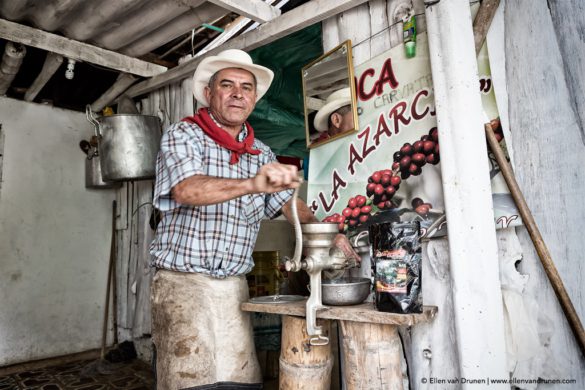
410 159
357 212
420 207
383 184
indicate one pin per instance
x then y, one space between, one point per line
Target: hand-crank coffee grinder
315 241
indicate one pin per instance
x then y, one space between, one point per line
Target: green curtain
278 119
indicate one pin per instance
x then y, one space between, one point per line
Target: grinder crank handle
294 264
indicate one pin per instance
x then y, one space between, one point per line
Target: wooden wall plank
548 149
568 17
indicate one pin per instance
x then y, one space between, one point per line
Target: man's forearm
203 190
303 211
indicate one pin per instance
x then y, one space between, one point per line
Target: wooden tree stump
304 366
372 356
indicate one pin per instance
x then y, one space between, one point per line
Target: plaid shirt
217 239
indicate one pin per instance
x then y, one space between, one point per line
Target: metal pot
93 168
128 145
345 291
93 172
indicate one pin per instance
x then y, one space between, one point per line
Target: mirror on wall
329 96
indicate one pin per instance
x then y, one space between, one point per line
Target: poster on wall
390 169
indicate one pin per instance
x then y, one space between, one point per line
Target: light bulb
70 67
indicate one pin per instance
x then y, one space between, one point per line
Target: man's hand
341 242
275 177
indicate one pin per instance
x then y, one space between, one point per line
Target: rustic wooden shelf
364 312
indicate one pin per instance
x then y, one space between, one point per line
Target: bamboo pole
537 240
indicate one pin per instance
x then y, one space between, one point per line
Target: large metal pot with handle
128 145
93 167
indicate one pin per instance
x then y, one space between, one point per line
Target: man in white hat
215 183
336 116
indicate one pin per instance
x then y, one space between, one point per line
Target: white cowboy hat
338 99
232 58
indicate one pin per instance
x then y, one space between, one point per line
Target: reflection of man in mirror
336 116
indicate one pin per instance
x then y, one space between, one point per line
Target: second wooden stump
304 366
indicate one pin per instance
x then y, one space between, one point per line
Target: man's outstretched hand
341 242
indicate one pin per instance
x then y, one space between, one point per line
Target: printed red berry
419 159
366 209
370 188
428 147
385 180
360 200
406 149
404 163
432 159
434 133
415 202
418 146
346 212
395 181
414 170
422 210
351 203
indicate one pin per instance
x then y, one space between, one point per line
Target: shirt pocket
253 208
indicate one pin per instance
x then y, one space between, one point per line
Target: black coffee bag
396 259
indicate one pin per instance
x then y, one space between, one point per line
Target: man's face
232 96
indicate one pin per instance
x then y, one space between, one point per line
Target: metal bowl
345 291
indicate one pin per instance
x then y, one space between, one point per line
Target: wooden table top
364 312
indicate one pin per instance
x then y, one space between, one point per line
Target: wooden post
372 356
303 366
541 248
478 312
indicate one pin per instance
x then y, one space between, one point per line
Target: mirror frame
351 79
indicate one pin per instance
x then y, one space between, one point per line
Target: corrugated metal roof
131 27
156 31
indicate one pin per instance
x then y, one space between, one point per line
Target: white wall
54 236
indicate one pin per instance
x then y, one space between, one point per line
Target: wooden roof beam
76 50
256 10
52 64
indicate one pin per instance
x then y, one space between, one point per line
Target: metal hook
91 119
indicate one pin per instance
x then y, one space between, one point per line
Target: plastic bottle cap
410 49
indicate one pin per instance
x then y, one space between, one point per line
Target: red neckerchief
222 137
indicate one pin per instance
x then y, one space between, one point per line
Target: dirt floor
85 375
